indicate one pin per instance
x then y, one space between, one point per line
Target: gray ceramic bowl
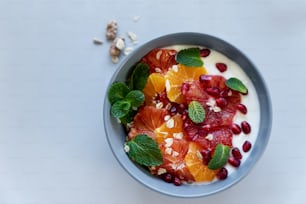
116 136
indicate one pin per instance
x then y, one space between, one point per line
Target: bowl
116 135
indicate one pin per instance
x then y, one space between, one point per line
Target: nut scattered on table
115 49
97 41
111 30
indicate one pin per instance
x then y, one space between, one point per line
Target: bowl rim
192 191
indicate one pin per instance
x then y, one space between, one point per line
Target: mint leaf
237 85
136 98
128 117
139 76
144 150
117 91
196 112
120 108
220 157
190 57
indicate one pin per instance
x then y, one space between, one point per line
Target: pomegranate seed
246 127
234 162
236 153
221 67
221 102
246 146
177 181
242 108
205 79
167 177
184 116
206 154
236 129
222 173
214 91
204 52
185 88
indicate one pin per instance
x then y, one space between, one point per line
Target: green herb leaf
144 150
117 91
237 85
136 98
120 108
128 117
220 157
190 57
196 112
139 76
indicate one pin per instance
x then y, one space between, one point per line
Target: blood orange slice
147 120
194 163
160 60
178 75
154 86
174 152
172 128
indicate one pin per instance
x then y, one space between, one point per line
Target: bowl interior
116 136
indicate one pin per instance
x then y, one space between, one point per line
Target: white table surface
53 81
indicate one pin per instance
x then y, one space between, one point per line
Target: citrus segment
155 85
194 163
174 152
178 75
147 120
172 128
160 60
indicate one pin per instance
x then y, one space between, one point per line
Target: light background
53 81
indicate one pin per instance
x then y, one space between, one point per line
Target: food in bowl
190 113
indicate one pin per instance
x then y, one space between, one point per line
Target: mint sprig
117 91
139 76
189 57
236 85
144 150
120 108
135 97
196 112
220 157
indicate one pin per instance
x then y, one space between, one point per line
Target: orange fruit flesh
194 163
176 76
155 84
172 128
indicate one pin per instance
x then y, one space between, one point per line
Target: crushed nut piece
97 41
170 123
127 50
111 30
119 42
161 171
132 36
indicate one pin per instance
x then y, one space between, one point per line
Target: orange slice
194 163
155 84
176 76
172 128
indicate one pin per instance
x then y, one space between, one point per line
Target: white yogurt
250 100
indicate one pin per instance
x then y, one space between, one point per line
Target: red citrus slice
160 60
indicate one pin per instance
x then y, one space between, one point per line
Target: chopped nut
111 30
126 148
161 171
175 68
169 142
167 117
127 50
170 123
209 137
159 105
178 135
175 153
158 54
168 86
168 150
132 36
115 59
97 41
158 70
119 42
